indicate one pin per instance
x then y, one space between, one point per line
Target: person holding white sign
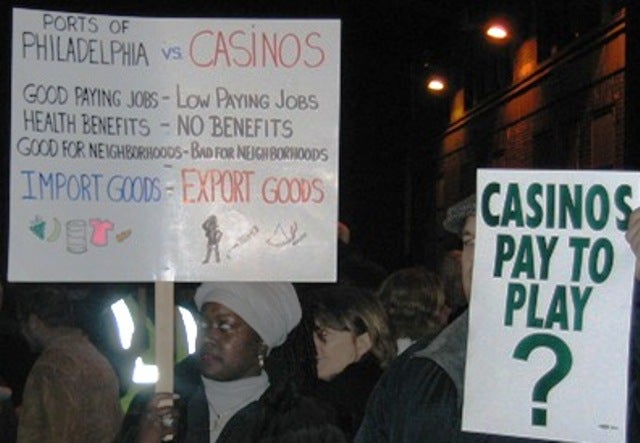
240 323
633 237
420 398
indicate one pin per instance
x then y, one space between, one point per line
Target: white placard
551 305
156 149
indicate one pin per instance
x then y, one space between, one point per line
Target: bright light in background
190 327
435 84
126 328
144 374
497 31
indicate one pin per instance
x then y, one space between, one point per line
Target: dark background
385 111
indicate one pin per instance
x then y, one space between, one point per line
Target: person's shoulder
410 373
407 370
412 356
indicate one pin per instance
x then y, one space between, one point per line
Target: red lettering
319 187
292 190
296 50
228 186
255 48
192 51
187 185
321 54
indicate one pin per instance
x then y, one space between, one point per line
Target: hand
633 237
160 420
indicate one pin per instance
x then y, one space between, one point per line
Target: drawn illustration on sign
244 238
245 133
214 235
76 236
76 232
37 226
101 228
55 233
281 238
123 235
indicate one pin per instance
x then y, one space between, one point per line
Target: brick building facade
563 107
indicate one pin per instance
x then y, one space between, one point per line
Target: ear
264 349
363 344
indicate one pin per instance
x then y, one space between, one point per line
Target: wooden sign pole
165 319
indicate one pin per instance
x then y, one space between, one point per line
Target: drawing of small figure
214 235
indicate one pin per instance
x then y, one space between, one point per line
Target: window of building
603 139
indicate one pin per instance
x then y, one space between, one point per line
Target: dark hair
347 308
413 298
51 303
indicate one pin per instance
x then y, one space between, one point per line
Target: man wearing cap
419 399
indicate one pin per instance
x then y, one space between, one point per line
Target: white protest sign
551 305
157 149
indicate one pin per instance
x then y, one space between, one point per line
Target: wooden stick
165 319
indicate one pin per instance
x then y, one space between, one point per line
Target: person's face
468 248
335 350
228 346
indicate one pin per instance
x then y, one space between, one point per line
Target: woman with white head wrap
240 323
271 309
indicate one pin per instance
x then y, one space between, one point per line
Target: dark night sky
383 108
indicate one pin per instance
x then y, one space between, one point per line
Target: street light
497 31
435 84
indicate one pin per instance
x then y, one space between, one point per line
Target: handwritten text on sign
173 149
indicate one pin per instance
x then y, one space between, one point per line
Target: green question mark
555 375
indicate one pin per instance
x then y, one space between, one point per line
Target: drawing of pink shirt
99 237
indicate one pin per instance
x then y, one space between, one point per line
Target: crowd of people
373 358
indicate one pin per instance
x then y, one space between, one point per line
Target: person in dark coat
240 323
420 397
353 346
291 415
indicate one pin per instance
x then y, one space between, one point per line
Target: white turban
272 309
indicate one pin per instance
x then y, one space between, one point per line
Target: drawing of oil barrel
77 236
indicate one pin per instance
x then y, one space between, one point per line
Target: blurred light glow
190 327
497 31
144 374
124 321
435 84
